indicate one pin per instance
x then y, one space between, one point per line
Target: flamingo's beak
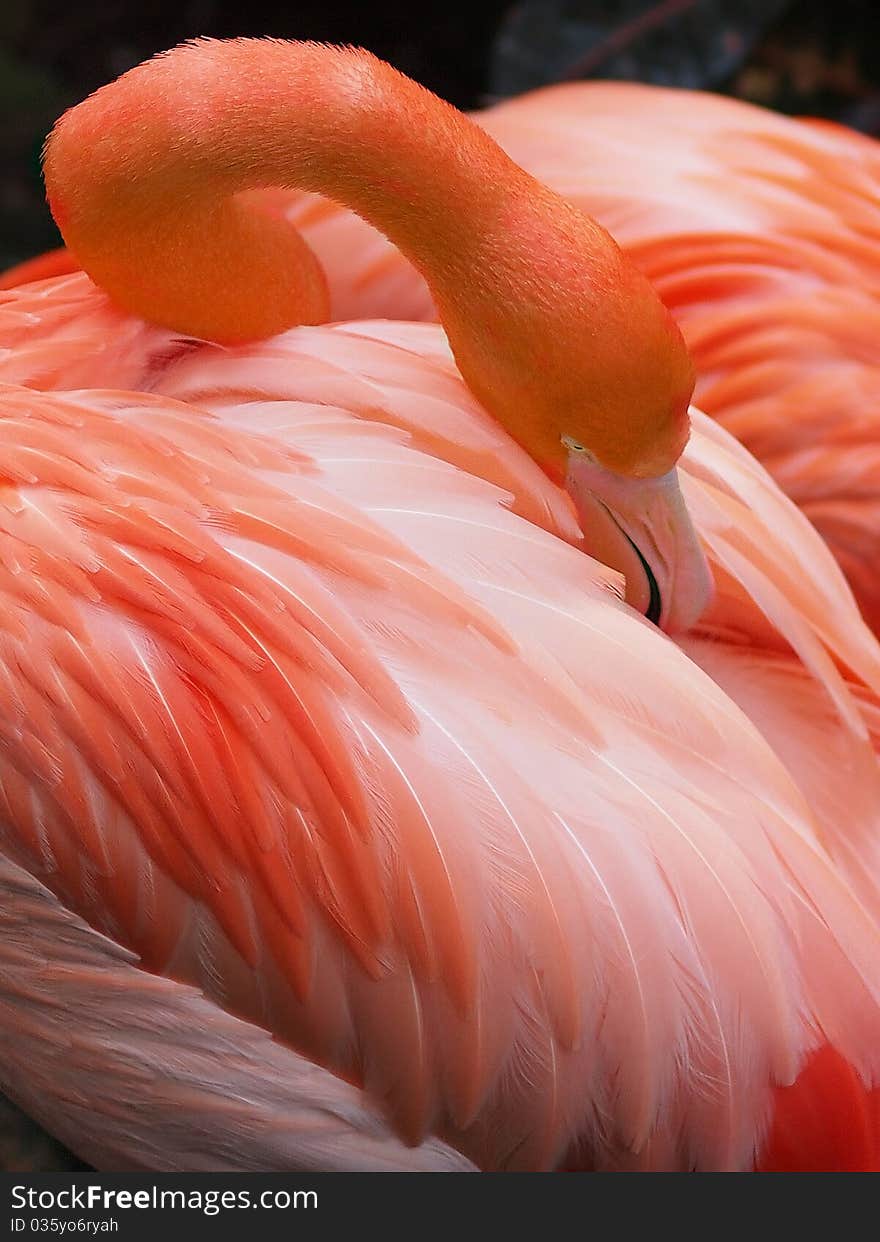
642 528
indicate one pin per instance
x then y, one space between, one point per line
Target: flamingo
350 817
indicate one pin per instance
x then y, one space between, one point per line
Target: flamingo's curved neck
551 327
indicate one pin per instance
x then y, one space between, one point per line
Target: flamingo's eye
575 446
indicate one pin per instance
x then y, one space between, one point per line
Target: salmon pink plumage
321 722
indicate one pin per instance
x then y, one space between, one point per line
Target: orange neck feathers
554 331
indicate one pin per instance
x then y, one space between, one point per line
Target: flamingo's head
578 357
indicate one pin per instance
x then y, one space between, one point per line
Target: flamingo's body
384 381
314 702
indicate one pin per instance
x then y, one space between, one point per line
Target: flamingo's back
310 702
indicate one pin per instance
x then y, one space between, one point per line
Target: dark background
815 56
820 57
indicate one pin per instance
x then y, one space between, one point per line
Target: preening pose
336 702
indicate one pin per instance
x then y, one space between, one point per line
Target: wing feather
425 799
